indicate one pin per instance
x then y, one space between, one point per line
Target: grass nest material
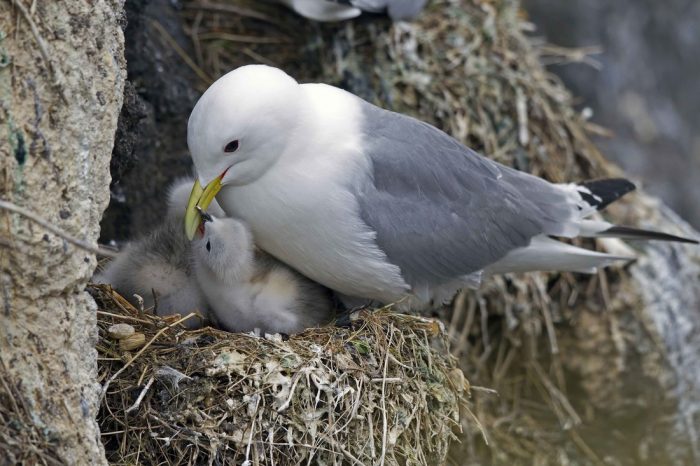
382 390
22 441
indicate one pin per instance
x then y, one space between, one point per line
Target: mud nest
381 389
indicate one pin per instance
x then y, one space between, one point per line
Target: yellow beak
199 198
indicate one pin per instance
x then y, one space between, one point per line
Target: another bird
157 266
248 289
375 204
338 10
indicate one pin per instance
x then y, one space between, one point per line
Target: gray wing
439 209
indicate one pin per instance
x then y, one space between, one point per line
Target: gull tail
597 195
546 254
623 232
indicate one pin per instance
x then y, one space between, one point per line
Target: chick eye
231 146
208 246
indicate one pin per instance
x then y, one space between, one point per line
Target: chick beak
199 201
204 214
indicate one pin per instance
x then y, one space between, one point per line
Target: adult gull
338 10
375 204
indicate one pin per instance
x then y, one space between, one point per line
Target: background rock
645 90
61 87
151 144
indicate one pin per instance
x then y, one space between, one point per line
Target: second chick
247 288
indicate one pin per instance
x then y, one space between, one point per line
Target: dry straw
382 390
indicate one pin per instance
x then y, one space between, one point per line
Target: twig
138 401
15 407
257 57
186 58
555 55
252 429
155 301
344 451
385 425
228 37
457 310
7 205
118 316
136 356
579 442
555 393
546 314
389 380
285 405
478 423
372 449
223 8
490 391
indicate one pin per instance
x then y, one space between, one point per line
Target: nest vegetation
22 441
381 390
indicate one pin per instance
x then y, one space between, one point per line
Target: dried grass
382 391
22 441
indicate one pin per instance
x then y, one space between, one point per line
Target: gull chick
248 289
160 263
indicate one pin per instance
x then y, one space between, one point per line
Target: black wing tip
605 191
636 233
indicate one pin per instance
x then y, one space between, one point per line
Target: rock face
151 142
61 86
668 278
645 89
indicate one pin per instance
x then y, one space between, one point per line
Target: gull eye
208 246
231 146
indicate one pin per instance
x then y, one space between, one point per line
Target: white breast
303 211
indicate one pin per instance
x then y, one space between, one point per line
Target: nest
381 390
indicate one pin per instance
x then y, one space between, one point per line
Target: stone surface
61 88
151 144
645 90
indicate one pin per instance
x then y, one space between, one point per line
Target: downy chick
247 288
160 263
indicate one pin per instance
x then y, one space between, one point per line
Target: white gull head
243 123
378 205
